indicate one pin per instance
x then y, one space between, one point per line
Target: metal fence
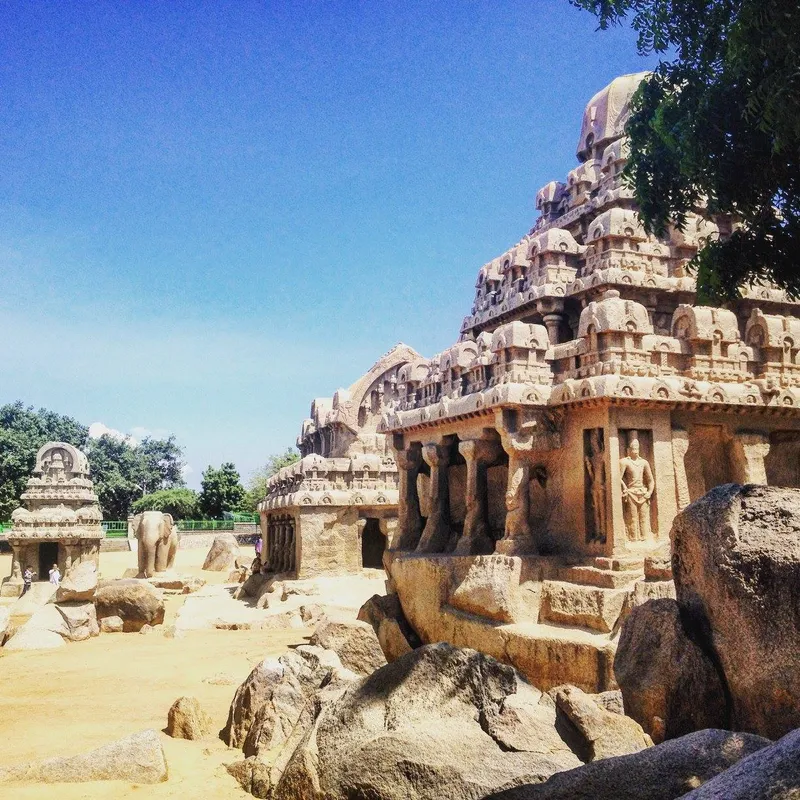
6 526
205 525
115 529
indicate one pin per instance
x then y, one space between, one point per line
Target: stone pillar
680 444
409 518
748 450
290 566
552 311
553 324
518 537
284 555
476 538
437 529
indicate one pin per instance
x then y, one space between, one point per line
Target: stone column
290 547
518 537
552 311
748 450
553 324
284 546
437 529
409 518
476 538
680 444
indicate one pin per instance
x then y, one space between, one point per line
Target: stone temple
543 457
334 511
59 522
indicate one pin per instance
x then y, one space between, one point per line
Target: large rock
600 733
79 584
72 621
187 719
736 564
395 635
268 704
772 773
665 772
5 622
34 639
353 641
487 588
223 555
135 602
438 722
135 759
668 684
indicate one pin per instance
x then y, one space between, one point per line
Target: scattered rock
220 679
185 584
135 602
602 733
301 588
34 639
395 635
173 632
664 772
146 629
312 614
223 555
354 641
668 684
188 720
253 776
736 562
772 773
112 625
79 619
237 575
440 721
79 584
135 759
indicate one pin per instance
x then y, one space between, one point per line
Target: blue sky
211 213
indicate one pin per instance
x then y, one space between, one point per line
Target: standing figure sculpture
596 469
637 489
158 542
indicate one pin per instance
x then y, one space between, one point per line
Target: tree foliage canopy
221 490
180 503
719 125
257 485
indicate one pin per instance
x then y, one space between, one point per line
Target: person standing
55 576
27 579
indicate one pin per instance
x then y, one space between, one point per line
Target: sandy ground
74 698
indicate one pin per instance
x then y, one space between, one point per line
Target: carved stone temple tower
59 522
588 400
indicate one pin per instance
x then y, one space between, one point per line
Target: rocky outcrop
440 721
395 635
668 683
74 622
594 732
772 773
736 563
34 639
135 759
135 602
79 584
112 625
353 641
665 772
223 555
187 719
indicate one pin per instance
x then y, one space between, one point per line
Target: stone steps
569 603
587 575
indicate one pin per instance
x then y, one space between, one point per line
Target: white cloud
98 429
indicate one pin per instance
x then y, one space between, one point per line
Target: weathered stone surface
34 639
301 588
253 776
610 701
136 759
668 684
652 590
585 606
187 719
658 566
353 641
665 772
223 555
5 622
112 625
440 721
79 619
602 733
772 773
135 602
185 584
79 584
488 589
736 561
268 703
395 635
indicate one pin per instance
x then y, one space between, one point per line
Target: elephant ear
168 519
135 522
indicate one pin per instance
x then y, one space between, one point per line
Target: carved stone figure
596 469
158 542
637 489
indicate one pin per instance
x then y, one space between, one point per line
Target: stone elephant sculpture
158 542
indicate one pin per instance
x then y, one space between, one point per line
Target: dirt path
69 700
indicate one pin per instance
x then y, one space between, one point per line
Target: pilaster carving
476 538
437 529
748 450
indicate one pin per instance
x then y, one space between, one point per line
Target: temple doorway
48 555
373 543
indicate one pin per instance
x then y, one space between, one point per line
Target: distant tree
257 484
220 490
180 503
719 126
123 473
22 432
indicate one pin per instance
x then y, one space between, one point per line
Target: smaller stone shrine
59 522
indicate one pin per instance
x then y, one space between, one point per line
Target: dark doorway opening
48 555
373 543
